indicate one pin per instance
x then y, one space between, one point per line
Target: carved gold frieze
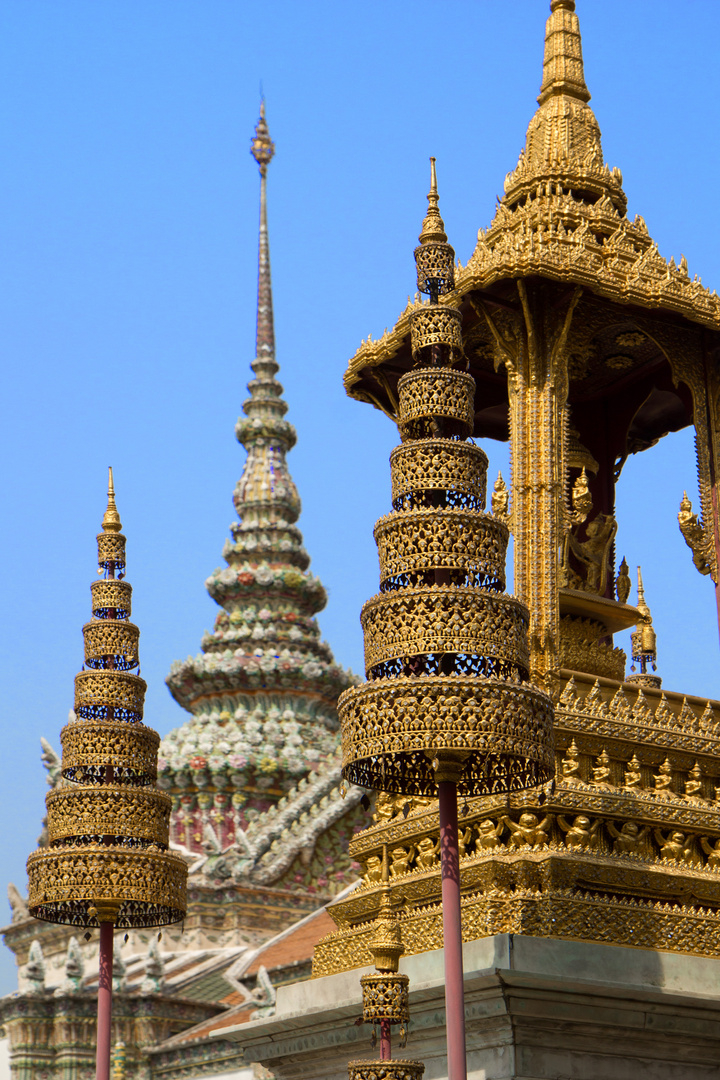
108 809
94 744
445 619
421 540
111 596
508 729
435 393
111 638
430 465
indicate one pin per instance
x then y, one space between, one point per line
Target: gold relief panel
112 595
445 619
411 541
92 744
108 810
439 465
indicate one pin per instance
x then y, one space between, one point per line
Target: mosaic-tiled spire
264 689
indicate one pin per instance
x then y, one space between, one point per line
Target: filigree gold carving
396 1069
444 620
104 638
429 465
91 745
436 324
420 540
79 811
389 724
107 825
433 394
111 599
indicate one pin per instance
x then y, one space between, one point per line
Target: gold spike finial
433 228
111 521
642 604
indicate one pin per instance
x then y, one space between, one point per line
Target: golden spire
433 227
563 63
641 602
111 521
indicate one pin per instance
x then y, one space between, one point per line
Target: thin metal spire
263 149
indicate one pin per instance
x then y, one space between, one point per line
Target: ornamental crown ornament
107 859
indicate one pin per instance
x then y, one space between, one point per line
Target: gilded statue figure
400 860
693 532
629 838
500 499
602 776
427 851
571 765
712 851
693 786
464 838
373 872
674 846
582 833
593 552
663 780
488 834
528 831
633 776
622 583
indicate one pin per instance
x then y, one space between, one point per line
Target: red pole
104 1013
385 1041
452 931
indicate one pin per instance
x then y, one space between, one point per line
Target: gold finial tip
111 521
433 229
262 147
568 5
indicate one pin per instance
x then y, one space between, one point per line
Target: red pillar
452 931
385 1041
104 1013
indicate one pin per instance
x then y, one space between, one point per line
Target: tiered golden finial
107 859
447 705
445 650
644 643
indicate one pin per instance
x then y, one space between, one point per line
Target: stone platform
536 1009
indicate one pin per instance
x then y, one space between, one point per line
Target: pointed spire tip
111 519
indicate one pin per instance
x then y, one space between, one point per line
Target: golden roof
563 215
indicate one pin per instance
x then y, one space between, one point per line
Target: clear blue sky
127 292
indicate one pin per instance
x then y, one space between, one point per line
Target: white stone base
536 1009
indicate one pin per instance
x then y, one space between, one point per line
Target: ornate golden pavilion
585 346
